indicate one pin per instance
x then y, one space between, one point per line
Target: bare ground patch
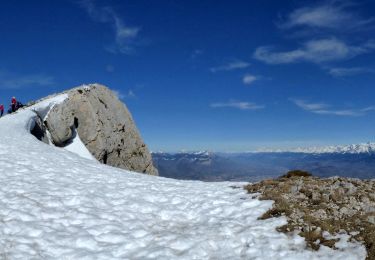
314 206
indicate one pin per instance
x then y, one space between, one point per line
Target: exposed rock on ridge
104 125
320 209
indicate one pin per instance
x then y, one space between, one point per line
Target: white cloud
122 96
118 94
317 51
242 105
12 81
324 109
124 35
345 112
345 72
249 79
309 106
331 15
234 65
130 94
196 53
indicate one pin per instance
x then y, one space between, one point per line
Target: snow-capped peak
342 149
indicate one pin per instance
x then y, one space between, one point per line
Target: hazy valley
253 166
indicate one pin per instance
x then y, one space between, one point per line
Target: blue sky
214 75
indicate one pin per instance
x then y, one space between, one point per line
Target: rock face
104 125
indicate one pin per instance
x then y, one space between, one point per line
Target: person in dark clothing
19 105
1 110
14 104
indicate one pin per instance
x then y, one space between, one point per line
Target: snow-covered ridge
368 148
190 156
55 204
341 149
198 153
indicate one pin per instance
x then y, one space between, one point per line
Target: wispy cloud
130 94
330 15
233 65
345 72
249 79
325 109
124 35
309 106
317 51
242 105
196 53
120 95
13 81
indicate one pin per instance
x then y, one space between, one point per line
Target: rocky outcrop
104 125
322 209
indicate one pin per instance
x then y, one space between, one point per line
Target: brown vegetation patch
296 173
313 205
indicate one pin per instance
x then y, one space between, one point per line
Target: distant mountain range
344 149
356 161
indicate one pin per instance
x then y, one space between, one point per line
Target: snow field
57 205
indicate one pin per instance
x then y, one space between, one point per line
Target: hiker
1 110
14 104
19 105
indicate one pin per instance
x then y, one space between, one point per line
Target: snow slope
55 204
79 148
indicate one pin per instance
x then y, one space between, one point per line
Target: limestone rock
59 124
104 125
